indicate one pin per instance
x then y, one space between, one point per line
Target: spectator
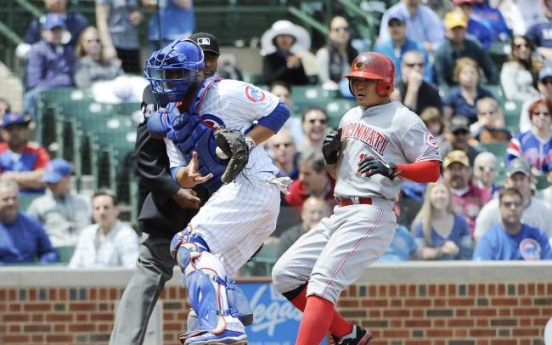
411 89
441 233
419 18
459 138
315 123
521 15
105 78
50 62
539 33
544 85
334 59
227 68
175 19
20 160
117 22
75 23
517 76
293 124
461 99
476 30
458 46
490 125
403 247
410 202
431 116
535 146
468 199
313 210
492 18
62 212
485 169
109 242
91 65
283 46
398 45
535 212
313 180
511 239
284 153
22 238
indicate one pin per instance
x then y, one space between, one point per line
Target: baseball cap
396 16
53 20
518 165
455 19
459 122
207 42
545 72
56 170
456 156
15 119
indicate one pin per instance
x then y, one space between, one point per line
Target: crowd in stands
494 198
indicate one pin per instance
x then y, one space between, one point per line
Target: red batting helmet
374 66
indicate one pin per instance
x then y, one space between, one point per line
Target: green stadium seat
498 149
263 262
65 253
336 109
541 182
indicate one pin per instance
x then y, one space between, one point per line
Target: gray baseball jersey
391 132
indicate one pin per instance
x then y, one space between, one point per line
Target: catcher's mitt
233 145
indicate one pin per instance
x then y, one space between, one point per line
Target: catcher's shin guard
219 303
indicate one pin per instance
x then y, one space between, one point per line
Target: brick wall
461 312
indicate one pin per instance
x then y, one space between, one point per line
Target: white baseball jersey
237 218
391 132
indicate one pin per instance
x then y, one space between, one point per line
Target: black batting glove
331 146
369 166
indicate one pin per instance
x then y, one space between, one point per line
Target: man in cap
21 160
475 30
536 213
62 212
468 199
544 85
459 139
398 44
511 238
209 45
457 46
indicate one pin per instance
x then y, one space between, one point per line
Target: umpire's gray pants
153 269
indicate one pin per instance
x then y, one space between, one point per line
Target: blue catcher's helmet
173 69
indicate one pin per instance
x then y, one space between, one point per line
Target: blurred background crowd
477 72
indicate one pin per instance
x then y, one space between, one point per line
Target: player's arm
423 171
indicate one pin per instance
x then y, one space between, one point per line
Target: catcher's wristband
250 143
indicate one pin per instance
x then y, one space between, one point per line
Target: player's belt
342 202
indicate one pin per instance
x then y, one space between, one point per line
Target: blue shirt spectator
75 24
403 247
424 26
460 235
455 99
476 30
22 238
528 244
493 18
176 19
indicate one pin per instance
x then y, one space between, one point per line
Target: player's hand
369 166
193 171
186 198
331 146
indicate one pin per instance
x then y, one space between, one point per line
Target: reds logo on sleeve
254 94
430 140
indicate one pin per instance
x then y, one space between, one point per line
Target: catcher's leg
213 295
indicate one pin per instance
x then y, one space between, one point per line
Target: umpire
167 209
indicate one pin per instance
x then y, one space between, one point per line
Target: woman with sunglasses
517 76
535 146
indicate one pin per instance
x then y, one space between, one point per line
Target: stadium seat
65 253
263 262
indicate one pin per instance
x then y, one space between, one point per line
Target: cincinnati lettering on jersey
366 134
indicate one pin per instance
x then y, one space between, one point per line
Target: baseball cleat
358 336
225 338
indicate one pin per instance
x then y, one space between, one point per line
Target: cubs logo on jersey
254 94
530 249
212 121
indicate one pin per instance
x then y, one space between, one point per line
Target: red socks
316 322
339 326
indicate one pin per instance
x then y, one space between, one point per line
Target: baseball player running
378 144
211 128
